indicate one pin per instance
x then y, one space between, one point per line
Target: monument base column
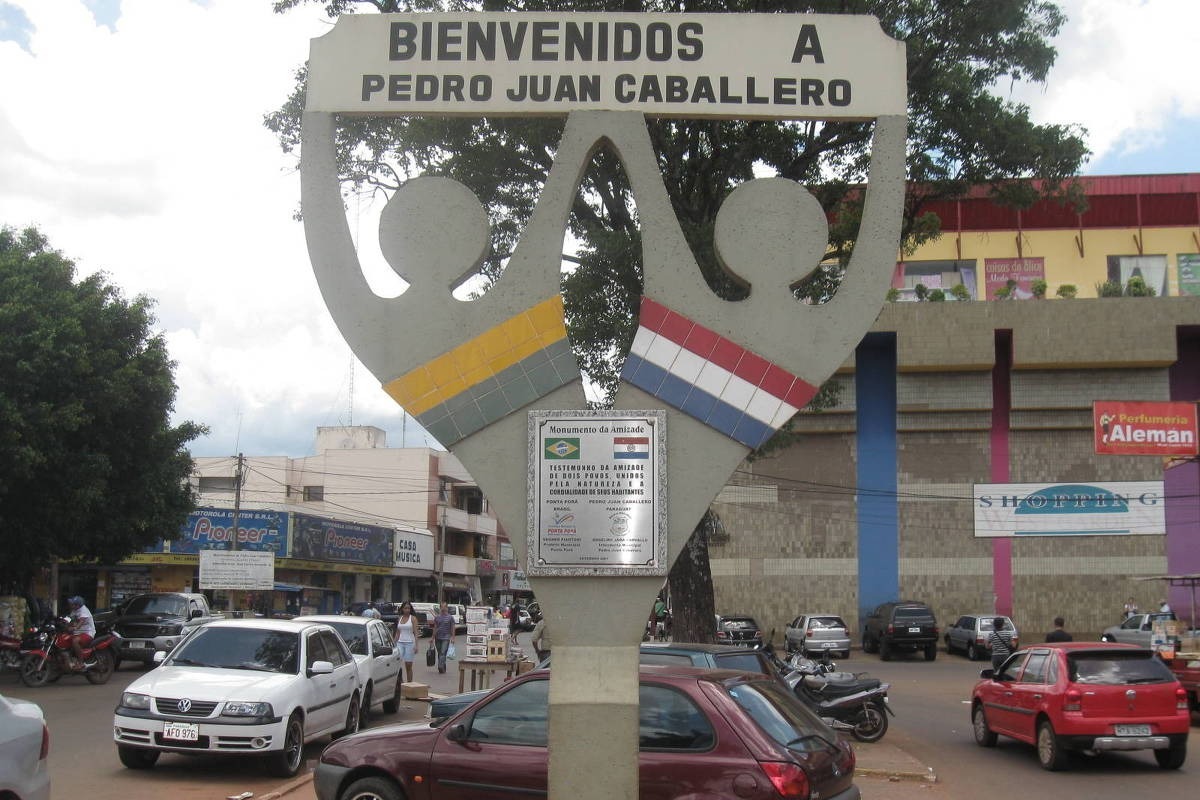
594 722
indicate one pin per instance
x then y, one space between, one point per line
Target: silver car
970 633
24 744
1138 629
818 633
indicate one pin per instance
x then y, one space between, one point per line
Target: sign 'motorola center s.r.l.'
685 65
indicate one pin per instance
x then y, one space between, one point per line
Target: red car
703 733
1083 696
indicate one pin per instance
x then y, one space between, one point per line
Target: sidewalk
879 763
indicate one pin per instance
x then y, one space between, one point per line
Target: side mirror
159 656
457 733
320 668
196 614
987 674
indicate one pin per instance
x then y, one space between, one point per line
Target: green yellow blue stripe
498 372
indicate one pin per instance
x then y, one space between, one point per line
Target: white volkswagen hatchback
242 687
370 642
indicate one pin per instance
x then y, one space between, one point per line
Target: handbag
450 651
430 656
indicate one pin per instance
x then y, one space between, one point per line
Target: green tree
90 466
961 135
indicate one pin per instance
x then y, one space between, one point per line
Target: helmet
75 601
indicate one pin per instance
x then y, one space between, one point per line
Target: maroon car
714 733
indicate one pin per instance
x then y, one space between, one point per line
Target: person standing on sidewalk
541 640
406 637
1000 646
443 634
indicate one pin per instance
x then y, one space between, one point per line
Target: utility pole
237 507
440 558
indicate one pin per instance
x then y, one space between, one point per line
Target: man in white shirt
83 627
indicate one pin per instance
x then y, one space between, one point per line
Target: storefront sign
246 570
1144 429
319 539
1189 274
997 272
515 580
683 65
212 529
413 550
597 481
1069 509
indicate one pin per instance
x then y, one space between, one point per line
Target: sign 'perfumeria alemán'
597 493
779 66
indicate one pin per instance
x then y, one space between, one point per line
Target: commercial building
879 498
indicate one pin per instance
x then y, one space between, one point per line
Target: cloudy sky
131 135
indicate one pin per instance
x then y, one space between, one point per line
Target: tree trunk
691 587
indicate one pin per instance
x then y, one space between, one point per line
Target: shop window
944 275
216 484
314 493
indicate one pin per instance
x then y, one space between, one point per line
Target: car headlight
238 708
134 700
168 630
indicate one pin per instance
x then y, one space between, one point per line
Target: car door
317 689
674 735
961 632
1130 630
385 662
503 749
344 680
794 633
1000 698
1030 693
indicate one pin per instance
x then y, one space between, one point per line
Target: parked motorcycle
845 701
51 657
10 650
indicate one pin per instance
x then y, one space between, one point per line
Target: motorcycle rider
83 627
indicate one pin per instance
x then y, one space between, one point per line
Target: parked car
702 734
971 634
817 633
682 654
24 745
901 625
425 613
1138 629
157 621
370 642
460 616
242 687
1083 696
389 612
738 629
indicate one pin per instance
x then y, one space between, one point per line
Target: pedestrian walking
443 634
1058 634
406 637
1000 647
541 639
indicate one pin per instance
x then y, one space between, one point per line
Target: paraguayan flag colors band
711 378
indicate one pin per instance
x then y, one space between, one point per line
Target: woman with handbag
406 637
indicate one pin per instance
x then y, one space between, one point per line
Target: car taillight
1013 642
809 634
891 628
1073 701
979 640
788 779
1181 699
722 635
935 630
45 751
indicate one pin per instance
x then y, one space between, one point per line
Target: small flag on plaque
631 447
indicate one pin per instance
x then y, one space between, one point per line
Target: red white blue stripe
626 447
711 378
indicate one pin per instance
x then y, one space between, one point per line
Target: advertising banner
1189 274
1069 509
777 66
997 272
1144 429
319 539
413 550
247 570
212 529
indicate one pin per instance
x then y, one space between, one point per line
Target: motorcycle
50 656
845 701
10 650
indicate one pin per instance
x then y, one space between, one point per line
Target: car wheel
364 713
1051 754
103 670
286 762
1107 638
392 704
845 655
885 650
972 652
949 644
137 758
984 736
931 651
352 718
1173 757
372 789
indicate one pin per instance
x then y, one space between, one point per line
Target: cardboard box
475 652
477 614
477 639
414 691
498 631
524 666
477 629
497 650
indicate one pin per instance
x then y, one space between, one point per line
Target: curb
288 788
897 774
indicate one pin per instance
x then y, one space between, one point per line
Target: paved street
931 729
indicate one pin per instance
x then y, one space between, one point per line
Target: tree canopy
90 466
962 133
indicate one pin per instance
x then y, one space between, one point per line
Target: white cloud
1125 71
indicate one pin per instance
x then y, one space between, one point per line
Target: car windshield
988 623
739 623
1116 669
239 648
911 612
353 634
783 719
168 606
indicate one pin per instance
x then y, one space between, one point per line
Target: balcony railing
460 520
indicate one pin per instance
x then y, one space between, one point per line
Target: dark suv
901 625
